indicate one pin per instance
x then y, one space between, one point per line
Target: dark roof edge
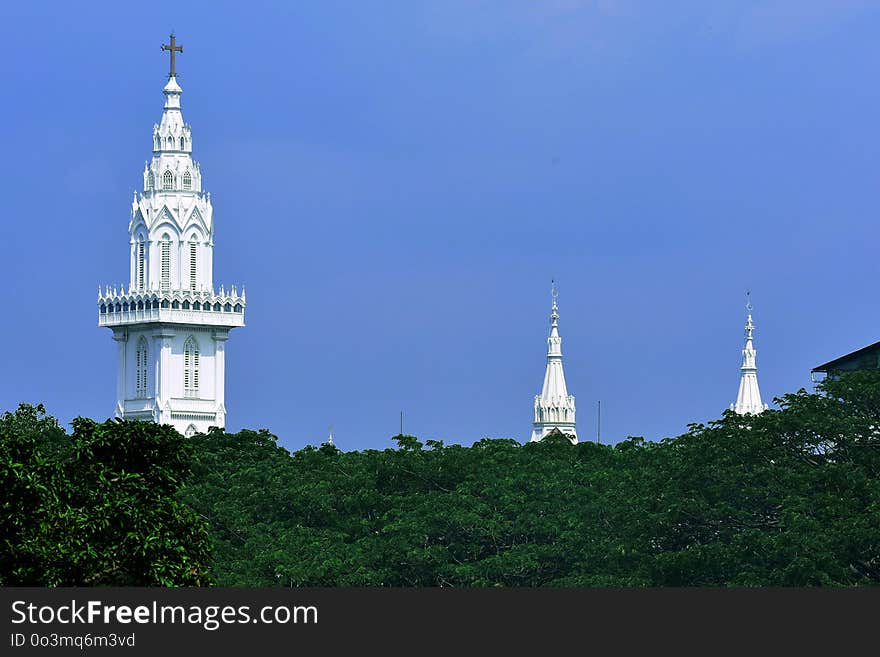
830 365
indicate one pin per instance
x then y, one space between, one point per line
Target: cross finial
554 292
749 300
173 48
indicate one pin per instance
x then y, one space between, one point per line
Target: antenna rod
599 422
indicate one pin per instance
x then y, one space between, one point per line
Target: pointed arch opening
167 180
191 367
187 180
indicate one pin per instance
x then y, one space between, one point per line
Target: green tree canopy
790 497
97 507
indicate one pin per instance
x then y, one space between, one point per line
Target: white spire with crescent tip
554 407
748 400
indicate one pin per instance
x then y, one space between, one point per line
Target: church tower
169 323
748 400
554 407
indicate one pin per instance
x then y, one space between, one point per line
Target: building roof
847 358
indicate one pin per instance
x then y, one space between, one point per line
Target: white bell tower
169 323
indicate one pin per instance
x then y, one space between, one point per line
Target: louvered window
166 262
192 265
141 368
191 368
187 180
140 266
167 180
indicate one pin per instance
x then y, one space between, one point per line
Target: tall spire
748 400
554 407
169 323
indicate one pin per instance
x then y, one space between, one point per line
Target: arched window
141 280
169 143
166 262
187 180
182 145
191 431
141 368
193 262
167 180
191 367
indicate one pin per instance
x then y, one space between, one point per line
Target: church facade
169 322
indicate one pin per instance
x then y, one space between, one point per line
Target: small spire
554 407
330 437
748 399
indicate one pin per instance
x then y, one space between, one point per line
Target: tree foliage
790 497
97 507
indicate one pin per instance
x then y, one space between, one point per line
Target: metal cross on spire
173 48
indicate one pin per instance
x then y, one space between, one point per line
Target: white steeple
170 324
748 400
554 407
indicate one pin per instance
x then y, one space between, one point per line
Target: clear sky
397 182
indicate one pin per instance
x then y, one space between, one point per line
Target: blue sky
397 182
